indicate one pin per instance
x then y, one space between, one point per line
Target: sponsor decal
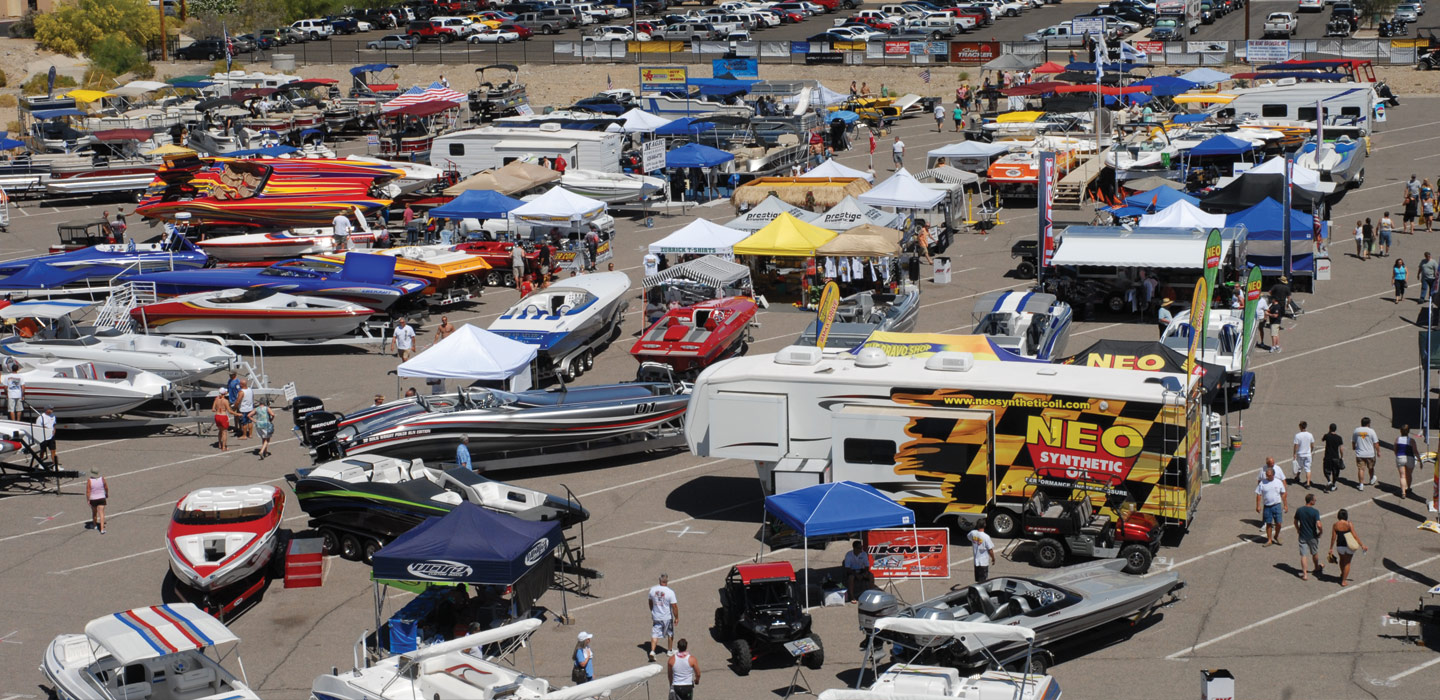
1148 363
1072 449
974 51
537 551
906 553
439 570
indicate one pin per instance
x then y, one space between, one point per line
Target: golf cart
1072 529
760 611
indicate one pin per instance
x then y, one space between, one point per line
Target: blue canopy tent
697 155
836 509
1189 118
476 204
1222 145
7 143
1265 238
56 113
371 68
1152 201
1167 85
685 126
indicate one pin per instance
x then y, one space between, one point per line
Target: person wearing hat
1164 316
584 670
97 490
45 434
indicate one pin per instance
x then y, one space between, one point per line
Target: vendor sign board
740 68
652 155
1267 50
906 553
829 304
1156 48
571 260
661 77
974 51
1088 25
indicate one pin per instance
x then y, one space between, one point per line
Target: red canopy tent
1033 89
1049 67
1109 90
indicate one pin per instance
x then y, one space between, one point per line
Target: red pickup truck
978 18
829 5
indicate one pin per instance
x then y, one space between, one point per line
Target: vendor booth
774 251
833 168
477 356
799 191
1182 214
572 214
1265 245
476 204
638 121
710 277
700 237
850 212
973 156
766 211
864 241
1104 266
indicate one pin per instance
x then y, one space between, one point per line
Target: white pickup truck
1281 24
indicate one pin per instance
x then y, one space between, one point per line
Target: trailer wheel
588 358
1003 523
492 278
1137 558
350 547
1038 666
740 652
367 553
1049 553
510 279
329 541
1025 269
815 659
1115 303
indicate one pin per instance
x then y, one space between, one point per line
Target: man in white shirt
1270 502
897 152
45 434
664 610
1304 446
404 340
340 226
246 407
982 548
857 571
15 392
1363 442
517 262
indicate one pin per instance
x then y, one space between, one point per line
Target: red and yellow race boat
273 192
692 338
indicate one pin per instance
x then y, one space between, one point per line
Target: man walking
1270 502
939 117
1304 445
45 435
982 549
1363 442
1429 268
462 453
897 153
1334 458
683 671
1307 530
403 340
247 405
15 391
664 613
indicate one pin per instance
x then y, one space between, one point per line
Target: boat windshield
489 398
279 271
222 516
245 297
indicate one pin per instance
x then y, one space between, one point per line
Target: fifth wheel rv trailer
952 436
487 147
1346 104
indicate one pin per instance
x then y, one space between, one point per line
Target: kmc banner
906 553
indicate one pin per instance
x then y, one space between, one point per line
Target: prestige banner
906 553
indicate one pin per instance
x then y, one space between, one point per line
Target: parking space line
1304 606
1242 543
73 569
655 477
1331 346
673 581
1372 381
672 523
1415 669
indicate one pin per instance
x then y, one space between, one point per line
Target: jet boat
80 388
260 247
861 314
220 537
91 270
155 652
387 496
1224 338
1028 324
366 280
614 188
500 424
1341 161
273 192
691 338
257 313
568 320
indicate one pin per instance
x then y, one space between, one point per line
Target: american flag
925 76
435 93
608 84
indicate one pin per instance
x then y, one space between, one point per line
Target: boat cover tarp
762 214
786 236
159 630
711 270
837 508
471 353
696 155
267 152
1011 61
559 205
851 212
43 275
685 126
1143 355
700 237
515 176
368 267
638 121
1167 85
1183 214
1251 188
720 86
904 191
1205 76
1162 248
476 204
833 168
468 545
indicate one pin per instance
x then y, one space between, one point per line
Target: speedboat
157 652
1072 601
388 496
366 280
273 192
1224 338
461 669
52 334
263 247
691 338
415 177
1341 161
1028 324
221 537
672 106
1132 161
1023 169
501 424
568 319
257 313
80 388
613 188
859 315
936 682
91 270
115 164
449 275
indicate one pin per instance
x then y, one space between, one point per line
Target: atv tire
740 654
1137 558
815 659
1049 553
720 622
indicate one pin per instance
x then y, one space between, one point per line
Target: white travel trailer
487 147
1344 103
954 435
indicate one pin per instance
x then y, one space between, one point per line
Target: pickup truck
1060 35
1281 24
540 24
934 26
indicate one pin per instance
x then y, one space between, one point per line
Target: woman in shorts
1343 542
1407 452
1412 209
222 410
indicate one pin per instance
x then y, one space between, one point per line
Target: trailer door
749 426
943 457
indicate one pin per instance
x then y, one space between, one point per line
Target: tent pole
915 536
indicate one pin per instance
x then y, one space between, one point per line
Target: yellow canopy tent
786 236
87 96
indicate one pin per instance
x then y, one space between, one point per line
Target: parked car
1281 24
393 42
422 30
259 42
493 36
760 610
314 28
523 32
202 50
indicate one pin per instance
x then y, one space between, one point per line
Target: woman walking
1372 246
1343 542
1387 227
1398 273
584 670
1412 209
1407 450
1427 205
264 420
1360 250
97 491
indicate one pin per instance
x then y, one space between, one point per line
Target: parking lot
1352 354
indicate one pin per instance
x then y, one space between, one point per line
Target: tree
116 54
73 27
1372 11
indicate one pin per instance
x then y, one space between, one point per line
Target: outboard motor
875 604
318 430
1385 93
301 407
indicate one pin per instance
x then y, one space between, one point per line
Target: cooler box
1217 685
942 270
305 563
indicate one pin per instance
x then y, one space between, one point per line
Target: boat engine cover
319 428
303 405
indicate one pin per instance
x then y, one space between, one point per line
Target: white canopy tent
638 121
849 213
558 206
902 191
760 215
833 168
1300 175
700 237
475 354
1183 214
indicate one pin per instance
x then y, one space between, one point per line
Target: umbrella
9 144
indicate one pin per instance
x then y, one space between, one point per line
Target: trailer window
1349 111
866 451
457 149
1279 110
1305 114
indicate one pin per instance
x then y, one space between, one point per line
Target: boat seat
133 691
981 601
385 474
1096 525
201 677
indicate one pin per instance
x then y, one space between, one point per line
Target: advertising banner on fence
655 46
1207 46
742 68
661 77
812 59
897 48
903 553
1267 50
974 51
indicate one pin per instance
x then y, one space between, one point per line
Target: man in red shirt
559 164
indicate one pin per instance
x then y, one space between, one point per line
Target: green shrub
8 100
73 27
36 84
4 79
144 71
24 28
116 54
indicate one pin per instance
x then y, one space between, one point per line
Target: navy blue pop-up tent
468 545
1222 145
696 155
685 126
1152 201
476 204
1167 85
837 509
1264 241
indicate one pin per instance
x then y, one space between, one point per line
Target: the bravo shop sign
1080 451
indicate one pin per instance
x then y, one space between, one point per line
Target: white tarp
559 205
902 190
473 354
971 149
638 121
1183 214
1129 249
700 237
1300 175
833 168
